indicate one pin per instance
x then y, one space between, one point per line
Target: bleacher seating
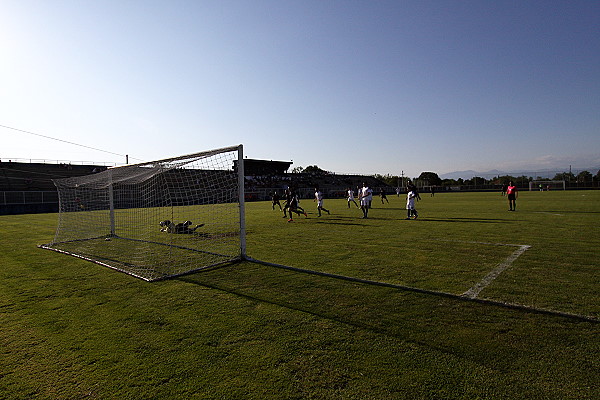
28 187
33 181
16 176
332 185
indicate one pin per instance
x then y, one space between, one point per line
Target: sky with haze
351 86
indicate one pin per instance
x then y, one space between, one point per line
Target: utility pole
402 179
570 173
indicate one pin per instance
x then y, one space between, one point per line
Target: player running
291 205
383 197
275 200
351 197
319 200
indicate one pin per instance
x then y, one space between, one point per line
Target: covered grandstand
27 187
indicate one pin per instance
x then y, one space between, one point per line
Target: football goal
546 185
156 219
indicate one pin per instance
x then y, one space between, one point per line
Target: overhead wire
66 141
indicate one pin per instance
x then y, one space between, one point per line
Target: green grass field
71 329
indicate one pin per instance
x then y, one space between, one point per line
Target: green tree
449 182
391 180
431 178
584 176
476 180
564 176
313 169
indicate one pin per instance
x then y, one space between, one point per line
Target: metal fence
28 197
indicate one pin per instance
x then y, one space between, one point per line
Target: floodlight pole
240 171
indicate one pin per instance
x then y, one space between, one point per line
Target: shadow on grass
564 212
334 219
338 221
497 337
342 220
470 220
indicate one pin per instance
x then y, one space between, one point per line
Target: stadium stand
27 188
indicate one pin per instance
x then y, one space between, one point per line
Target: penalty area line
511 306
474 291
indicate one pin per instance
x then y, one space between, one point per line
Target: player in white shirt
366 196
351 197
319 200
410 204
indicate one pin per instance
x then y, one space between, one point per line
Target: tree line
428 178
433 179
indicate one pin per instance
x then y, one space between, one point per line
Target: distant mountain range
543 173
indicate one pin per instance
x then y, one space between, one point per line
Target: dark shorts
512 196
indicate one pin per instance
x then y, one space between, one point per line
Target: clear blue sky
351 86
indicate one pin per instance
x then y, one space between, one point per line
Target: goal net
156 219
546 185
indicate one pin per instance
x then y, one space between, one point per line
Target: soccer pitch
463 244
468 301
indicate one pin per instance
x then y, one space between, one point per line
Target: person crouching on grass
319 200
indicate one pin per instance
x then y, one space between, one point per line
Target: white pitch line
473 292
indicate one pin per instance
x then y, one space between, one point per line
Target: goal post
545 185
158 219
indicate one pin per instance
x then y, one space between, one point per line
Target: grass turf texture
71 329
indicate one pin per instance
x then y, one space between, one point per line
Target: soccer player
366 196
275 200
319 200
512 194
351 197
413 188
182 228
291 204
383 196
410 204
